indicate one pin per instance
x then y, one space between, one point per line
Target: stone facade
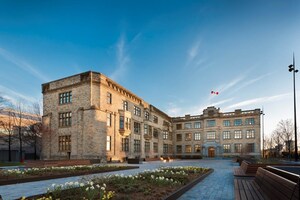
89 116
218 134
100 126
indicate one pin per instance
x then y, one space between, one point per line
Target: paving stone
218 185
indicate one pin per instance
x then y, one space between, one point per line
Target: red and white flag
214 92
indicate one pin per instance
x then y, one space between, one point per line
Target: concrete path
218 185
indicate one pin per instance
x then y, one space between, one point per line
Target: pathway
218 185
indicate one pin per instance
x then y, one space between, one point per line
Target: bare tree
33 133
7 124
19 109
277 139
285 127
3 102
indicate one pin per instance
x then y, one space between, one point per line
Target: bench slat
266 185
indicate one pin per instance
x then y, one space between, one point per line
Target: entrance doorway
211 152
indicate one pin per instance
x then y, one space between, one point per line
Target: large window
250 148
197 148
108 143
188 125
64 143
147 115
165 148
65 119
188 149
238 122
197 136
128 123
179 137
145 129
211 135
137 146
125 105
250 134
108 119
155 147
170 148
155 133
147 147
226 135
226 122
178 126
121 122
165 135
178 148
109 98
226 148
249 121
238 134
197 125
65 97
211 123
237 148
137 127
155 119
125 144
137 111
188 136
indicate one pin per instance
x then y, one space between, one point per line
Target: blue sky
170 53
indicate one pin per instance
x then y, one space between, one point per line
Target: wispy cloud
249 82
14 96
22 64
193 52
174 110
123 58
259 101
194 57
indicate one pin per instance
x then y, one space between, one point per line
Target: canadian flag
214 92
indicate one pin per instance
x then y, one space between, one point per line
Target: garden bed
37 174
165 183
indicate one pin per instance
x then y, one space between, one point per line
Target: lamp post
263 132
292 68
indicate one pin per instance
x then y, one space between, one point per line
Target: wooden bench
266 185
247 169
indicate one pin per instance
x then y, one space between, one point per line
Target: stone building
218 134
89 116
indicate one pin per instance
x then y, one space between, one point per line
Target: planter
11 180
175 195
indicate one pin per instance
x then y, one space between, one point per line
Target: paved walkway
218 185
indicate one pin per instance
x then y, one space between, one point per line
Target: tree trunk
20 138
9 147
35 143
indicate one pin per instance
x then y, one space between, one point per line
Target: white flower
98 186
102 188
104 184
92 188
81 184
53 185
86 189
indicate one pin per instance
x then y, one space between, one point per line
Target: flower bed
162 183
14 176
